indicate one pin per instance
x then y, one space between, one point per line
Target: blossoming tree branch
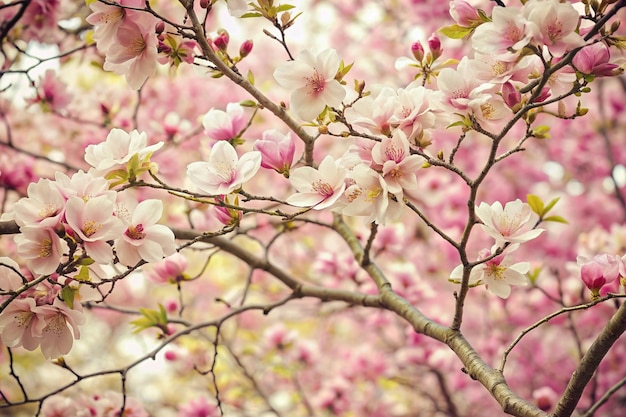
326 208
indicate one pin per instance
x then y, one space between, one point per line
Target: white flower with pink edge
511 224
318 188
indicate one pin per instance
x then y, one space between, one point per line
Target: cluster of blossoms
107 404
69 228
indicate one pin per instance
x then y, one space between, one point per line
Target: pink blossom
199 407
225 172
56 337
143 238
398 165
94 224
599 271
507 224
41 248
374 112
228 125
59 406
318 188
22 323
553 24
464 13
594 59
52 93
44 206
169 270
311 77
83 184
498 273
367 196
118 148
505 36
106 20
277 150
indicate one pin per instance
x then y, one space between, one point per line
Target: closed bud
205 3
159 27
418 51
221 42
246 48
434 44
511 95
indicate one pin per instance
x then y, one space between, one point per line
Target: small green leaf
67 294
250 77
247 103
285 7
550 205
557 219
455 31
251 14
535 204
83 274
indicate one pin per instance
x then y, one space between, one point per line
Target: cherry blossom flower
56 337
41 248
83 184
507 224
318 188
59 406
225 125
22 324
199 407
374 112
505 36
225 172
312 78
599 271
44 206
553 24
398 165
143 238
368 196
498 273
169 270
52 93
118 148
106 20
94 224
277 150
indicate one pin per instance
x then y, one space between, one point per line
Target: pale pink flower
498 274
60 406
41 248
367 196
463 13
143 238
83 184
277 150
412 113
374 112
505 36
106 19
318 188
225 125
237 8
311 77
118 148
594 59
169 270
199 407
399 167
52 93
134 53
508 224
599 271
554 24
94 224
225 172
22 323
458 87
43 207
56 337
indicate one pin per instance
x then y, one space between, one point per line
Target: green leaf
251 14
88 2
67 294
151 318
455 31
535 204
250 77
285 7
557 219
83 274
550 205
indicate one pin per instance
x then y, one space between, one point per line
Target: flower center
135 232
45 248
316 83
90 227
323 188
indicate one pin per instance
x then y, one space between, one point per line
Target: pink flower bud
510 94
205 3
170 355
159 27
599 271
170 269
418 51
277 151
246 48
463 13
221 42
594 59
434 44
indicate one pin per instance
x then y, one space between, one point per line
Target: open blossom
277 150
508 224
171 269
225 125
225 172
143 238
44 205
52 93
599 271
498 273
41 248
22 323
505 36
367 196
311 77
94 224
398 166
118 148
56 337
553 24
318 188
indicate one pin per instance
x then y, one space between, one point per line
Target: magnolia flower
225 172
318 188
94 224
505 36
220 125
169 270
277 150
118 148
599 271
554 24
398 165
368 196
143 238
507 224
594 59
498 273
464 13
312 79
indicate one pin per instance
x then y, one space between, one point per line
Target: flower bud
463 13
246 48
205 3
418 51
511 95
221 42
434 44
599 271
159 27
277 151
